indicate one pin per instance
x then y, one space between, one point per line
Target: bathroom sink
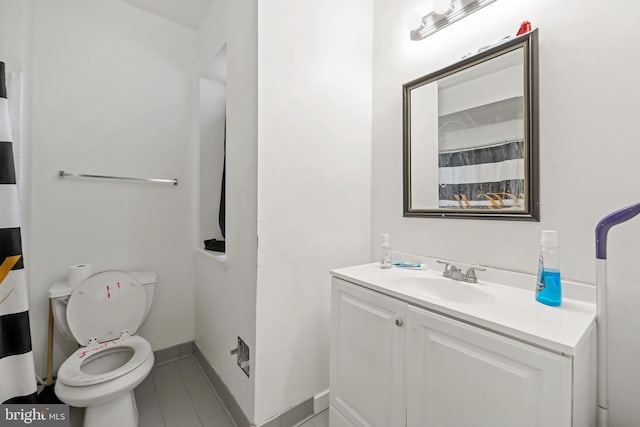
501 301
445 289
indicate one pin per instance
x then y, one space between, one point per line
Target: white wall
226 293
314 118
112 94
314 132
588 149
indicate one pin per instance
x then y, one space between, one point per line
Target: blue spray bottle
549 288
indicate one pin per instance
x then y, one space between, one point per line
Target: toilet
102 314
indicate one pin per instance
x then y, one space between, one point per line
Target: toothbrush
417 266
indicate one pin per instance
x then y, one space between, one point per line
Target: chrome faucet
453 272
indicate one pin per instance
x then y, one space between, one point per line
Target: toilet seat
71 374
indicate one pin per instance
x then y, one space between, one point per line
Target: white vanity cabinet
394 364
460 375
367 358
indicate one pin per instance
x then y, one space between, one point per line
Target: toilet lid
104 305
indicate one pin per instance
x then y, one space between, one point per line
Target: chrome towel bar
65 174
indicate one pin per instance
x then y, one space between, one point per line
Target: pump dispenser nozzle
386 261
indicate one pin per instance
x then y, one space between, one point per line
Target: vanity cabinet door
367 357
459 375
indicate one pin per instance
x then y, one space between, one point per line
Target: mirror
471 136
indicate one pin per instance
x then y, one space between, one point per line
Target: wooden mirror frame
531 211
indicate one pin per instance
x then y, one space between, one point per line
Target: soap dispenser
386 261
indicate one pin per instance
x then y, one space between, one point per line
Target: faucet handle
470 275
447 265
449 268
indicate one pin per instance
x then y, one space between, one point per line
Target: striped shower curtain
486 177
17 372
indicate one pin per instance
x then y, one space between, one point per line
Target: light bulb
442 7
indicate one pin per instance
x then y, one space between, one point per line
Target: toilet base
121 412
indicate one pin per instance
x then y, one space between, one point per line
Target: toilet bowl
103 314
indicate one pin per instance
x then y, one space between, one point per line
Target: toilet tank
148 280
60 292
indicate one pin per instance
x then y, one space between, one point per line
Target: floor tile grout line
204 376
215 392
164 419
309 418
172 360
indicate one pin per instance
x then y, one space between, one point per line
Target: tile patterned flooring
177 394
320 420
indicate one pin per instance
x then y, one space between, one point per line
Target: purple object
615 218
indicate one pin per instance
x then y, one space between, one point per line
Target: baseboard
293 416
321 402
172 353
220 388
290 418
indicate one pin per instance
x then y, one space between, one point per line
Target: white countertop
508 310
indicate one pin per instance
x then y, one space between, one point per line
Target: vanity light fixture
445 13
443 7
